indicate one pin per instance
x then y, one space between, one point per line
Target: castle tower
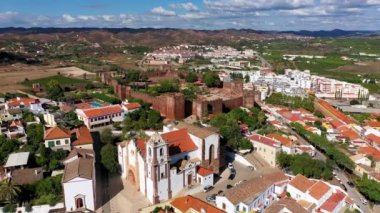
157 160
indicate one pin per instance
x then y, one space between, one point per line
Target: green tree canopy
191 77
109 158
211 79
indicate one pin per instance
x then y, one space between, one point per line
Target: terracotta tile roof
56 133
141 145
264 140
187 203
179 141
374 139
201 132
80 153
249 190
301 183
82 136
371 151
81 167
375 124
283 140
83 106
102 111
27 176
333 201
203 171
318 190
24 101
348 133
336 123
131 106
336 113
288 203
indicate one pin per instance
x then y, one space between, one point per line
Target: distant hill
159 37
333 33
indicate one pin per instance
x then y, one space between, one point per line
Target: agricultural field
62 80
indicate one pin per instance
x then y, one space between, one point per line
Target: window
66 141
162 175
161 152
237 208
244 209
51 144
150 151
58 142
223 206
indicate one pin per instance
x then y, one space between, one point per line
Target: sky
196 14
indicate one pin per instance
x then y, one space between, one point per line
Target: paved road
353 193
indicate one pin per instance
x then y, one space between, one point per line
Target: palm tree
9 191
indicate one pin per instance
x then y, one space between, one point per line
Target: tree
211 79
54 90
369 188
27 116
246 78
8 191
70 120
109 158
106 136
191 77
35 134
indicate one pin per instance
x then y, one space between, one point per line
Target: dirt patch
74 72
362 68
11 76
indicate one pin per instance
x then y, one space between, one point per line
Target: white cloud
108 17
184 6
243 5
162 11
87 18
68 18
351 3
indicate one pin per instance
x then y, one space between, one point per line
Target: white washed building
164 164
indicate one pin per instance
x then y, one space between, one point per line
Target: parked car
229 186
207 188
232 176
220 192
211 198
351 184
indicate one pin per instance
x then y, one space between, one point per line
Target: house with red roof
57 138
81 138
161 165
316 195
130 107
100 116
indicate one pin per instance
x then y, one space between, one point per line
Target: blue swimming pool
95 104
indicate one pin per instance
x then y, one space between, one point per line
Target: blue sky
196 14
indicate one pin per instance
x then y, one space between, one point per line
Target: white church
164 164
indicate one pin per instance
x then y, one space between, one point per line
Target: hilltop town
188 127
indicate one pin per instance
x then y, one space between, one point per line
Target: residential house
266 147
79 183
57 138
192 204
17 160
130 107
32 104
10 114
285 205
81 138
253 195
15 129
316 195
